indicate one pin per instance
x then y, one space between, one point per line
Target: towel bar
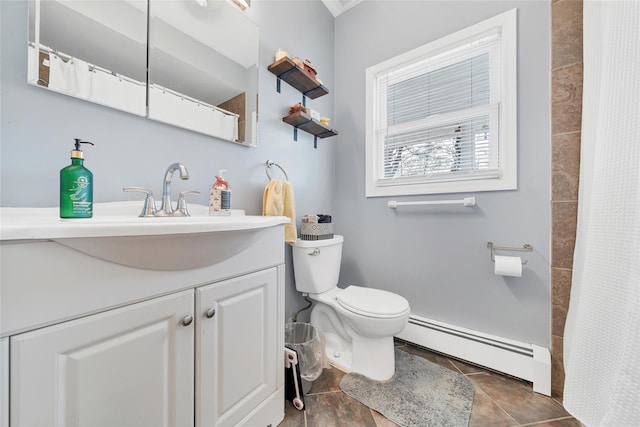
467 201
268 165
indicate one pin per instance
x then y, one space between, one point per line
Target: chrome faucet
165 208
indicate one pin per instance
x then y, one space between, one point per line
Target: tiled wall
566 117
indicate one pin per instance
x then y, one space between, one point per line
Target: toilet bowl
358 322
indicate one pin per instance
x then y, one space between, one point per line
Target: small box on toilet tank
314 231
316 227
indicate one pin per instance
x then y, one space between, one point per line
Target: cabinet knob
186 320
210 313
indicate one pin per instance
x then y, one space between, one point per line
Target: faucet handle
182 210
149 207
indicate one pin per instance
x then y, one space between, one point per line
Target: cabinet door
131 366
236 349
4 382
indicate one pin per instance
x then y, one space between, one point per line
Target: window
442 118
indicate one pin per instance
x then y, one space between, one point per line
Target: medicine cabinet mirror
90 50
195 65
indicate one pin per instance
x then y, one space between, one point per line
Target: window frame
505 178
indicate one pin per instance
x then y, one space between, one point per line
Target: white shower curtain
602 334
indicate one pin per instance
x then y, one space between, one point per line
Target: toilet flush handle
315 252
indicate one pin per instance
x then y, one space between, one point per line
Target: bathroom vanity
160 336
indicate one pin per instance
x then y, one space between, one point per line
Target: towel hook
268 165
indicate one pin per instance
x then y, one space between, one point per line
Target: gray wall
436 257
38 128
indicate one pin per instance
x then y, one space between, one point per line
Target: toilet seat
372 302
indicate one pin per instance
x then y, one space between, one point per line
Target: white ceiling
336 7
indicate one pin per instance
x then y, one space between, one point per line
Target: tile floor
499 401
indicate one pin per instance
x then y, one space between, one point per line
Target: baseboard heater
527 361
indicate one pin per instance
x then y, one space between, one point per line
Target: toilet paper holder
525 248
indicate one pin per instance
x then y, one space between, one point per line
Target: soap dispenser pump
76 186
220 196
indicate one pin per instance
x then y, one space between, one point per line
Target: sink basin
117 234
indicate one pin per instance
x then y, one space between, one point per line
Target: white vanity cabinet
237 357
89 341
4 382
128 366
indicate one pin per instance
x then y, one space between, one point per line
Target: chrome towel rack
525 248
270 163
467 201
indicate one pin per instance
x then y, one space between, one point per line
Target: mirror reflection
93 50
195 66
203 69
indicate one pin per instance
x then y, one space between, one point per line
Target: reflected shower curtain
602 334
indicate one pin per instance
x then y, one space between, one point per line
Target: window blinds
438 116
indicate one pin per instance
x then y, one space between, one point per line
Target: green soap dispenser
76 186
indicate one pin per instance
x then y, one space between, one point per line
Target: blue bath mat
420 394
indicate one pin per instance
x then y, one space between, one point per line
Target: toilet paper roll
508 266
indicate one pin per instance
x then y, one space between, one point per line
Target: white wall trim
527 361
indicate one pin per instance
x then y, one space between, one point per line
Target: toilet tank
316 264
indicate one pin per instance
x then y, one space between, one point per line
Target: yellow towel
278 200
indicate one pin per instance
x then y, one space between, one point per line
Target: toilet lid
372 302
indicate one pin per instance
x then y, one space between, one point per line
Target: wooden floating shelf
285 69
305 122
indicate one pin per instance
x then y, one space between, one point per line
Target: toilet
358 322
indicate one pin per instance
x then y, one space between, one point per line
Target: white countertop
121 219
